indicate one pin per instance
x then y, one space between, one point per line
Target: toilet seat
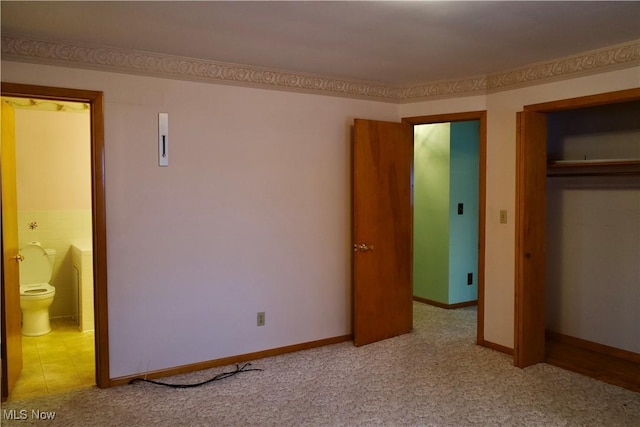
36 294
37 291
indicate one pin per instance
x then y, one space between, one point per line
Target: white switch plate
163 139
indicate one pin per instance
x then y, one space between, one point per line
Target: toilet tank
37 265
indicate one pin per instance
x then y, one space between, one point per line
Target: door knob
362 247
18 257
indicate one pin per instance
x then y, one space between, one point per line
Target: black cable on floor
243 368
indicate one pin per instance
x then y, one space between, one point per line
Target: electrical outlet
260 318
503 216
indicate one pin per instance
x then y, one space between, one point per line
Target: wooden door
382 230
531 163
11 328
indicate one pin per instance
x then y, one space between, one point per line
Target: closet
578 234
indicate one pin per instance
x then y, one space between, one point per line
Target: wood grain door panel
529 340
382 220
11 326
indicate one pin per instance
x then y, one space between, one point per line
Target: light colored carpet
434 376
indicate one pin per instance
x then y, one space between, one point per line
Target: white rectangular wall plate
163 139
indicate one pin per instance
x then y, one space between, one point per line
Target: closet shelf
594 167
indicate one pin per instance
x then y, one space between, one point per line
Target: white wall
593 259
500 192
53 160
252 214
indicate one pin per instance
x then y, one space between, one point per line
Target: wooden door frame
95 100
481 116
526 339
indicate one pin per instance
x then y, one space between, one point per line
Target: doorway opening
383 154
72 223
53 183
449 201
445 214
577 165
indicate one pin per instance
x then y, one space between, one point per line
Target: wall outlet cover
261 318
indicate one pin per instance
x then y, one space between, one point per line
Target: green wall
431 212
445 243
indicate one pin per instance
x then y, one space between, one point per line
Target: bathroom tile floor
61 360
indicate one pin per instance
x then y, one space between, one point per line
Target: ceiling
391 42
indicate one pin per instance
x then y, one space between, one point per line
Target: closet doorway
541 167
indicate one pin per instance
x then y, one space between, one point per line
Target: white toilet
36 294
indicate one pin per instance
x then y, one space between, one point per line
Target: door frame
529 315
481 116
95 100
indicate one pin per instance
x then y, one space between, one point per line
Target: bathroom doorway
53 183
58 178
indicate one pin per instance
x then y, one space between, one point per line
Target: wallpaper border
175 67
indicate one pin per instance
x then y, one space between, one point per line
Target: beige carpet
434 376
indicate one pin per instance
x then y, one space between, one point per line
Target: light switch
163 139
503 216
